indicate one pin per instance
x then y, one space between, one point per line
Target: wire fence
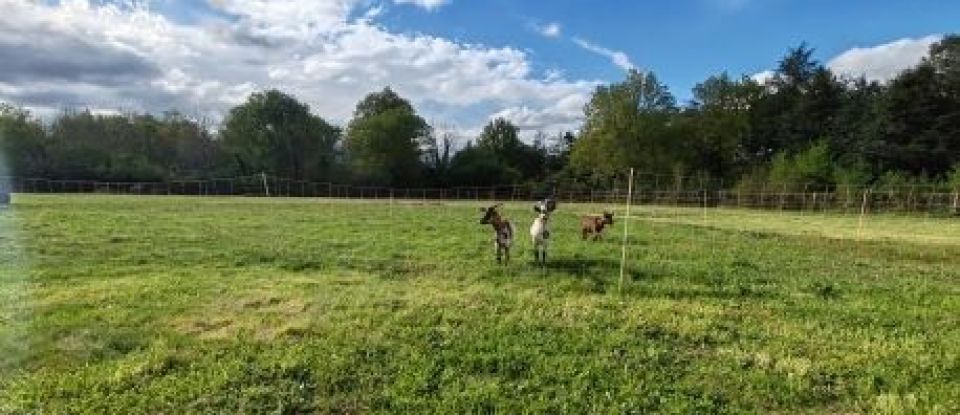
839 199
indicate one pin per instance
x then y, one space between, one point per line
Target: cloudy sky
461 62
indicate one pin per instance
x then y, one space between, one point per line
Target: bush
812 167
753 181
953 177
856 175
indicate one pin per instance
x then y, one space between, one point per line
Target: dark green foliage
274 133
809 168
386 140
628 124
501 140
476 166
82 145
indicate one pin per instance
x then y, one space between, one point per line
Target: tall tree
275 133
628 124
23 144
386 139
502 139
721 109
915 140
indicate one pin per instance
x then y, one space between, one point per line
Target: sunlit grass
132 305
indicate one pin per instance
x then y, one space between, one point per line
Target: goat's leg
506 254
499 254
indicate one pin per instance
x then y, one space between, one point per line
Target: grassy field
173 305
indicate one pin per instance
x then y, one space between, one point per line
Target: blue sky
682 41
461 62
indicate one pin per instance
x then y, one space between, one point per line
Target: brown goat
592 225
503 231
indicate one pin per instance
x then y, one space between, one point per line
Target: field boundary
847 200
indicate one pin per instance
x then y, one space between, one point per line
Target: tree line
805 126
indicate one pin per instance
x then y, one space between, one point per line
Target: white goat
540 229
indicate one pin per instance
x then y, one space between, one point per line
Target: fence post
704 206
956 202
266 187
763 196
803 209
783 194
863 212
626 222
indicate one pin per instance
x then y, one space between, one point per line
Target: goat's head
608 218
489 213
545 207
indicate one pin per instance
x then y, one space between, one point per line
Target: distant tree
796 70
628 124
437 157
502 139
499 136
480 166
23 143
721 112
386 139
275 133
860 125
811 167
916 139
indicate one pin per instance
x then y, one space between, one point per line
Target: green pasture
121 304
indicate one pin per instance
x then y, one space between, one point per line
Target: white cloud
562 115
85 53
618 58
426 4
551 30
763 77
883 62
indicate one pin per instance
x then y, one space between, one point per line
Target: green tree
810 167
480 166
914 141
499 136
386 140
274 133
23 143
502 139
721 114
438 156
628 124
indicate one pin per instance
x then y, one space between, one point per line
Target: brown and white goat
592 225
503 231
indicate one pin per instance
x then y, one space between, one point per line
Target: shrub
812 166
